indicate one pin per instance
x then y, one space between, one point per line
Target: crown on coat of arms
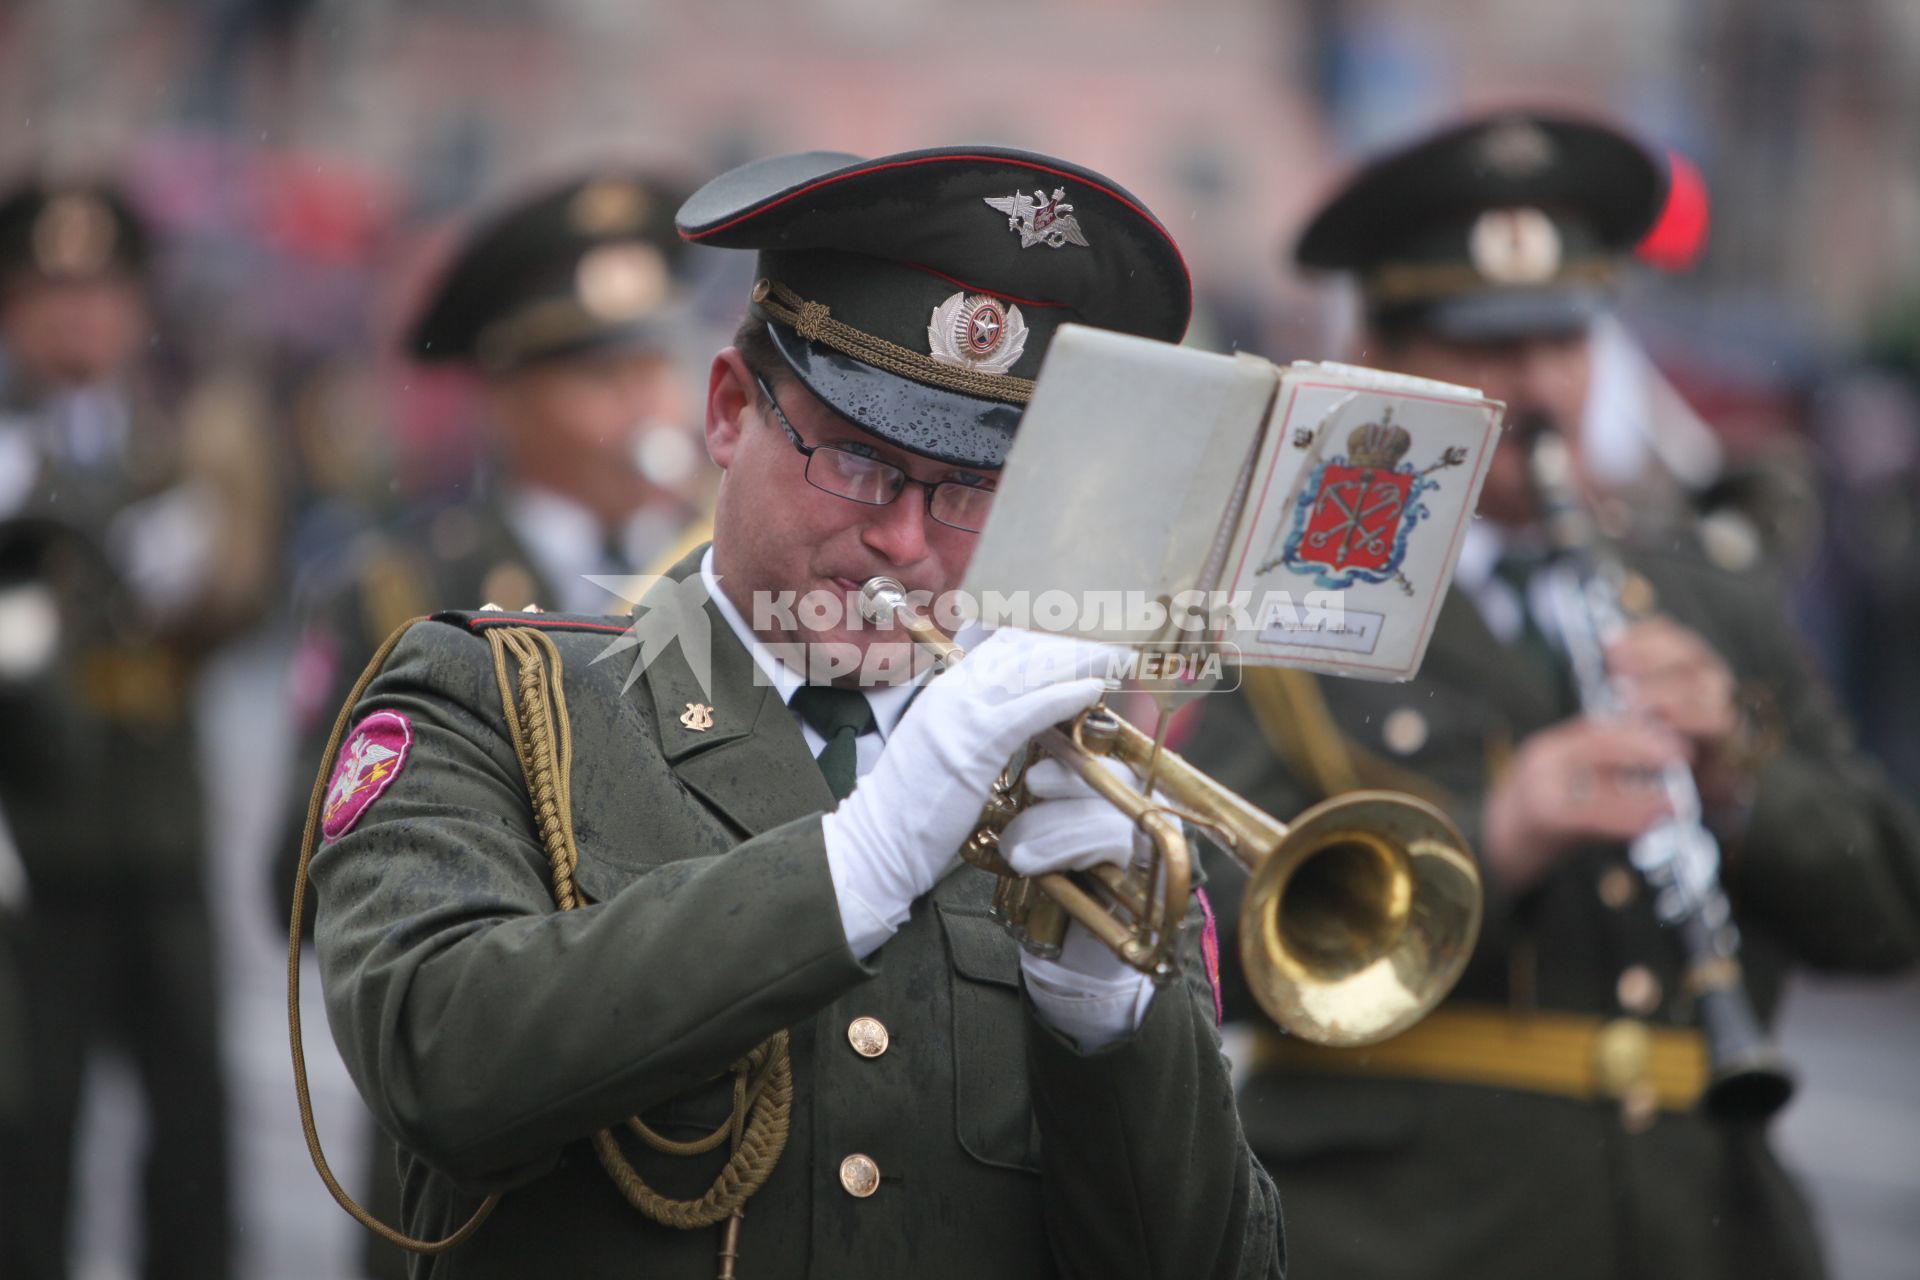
1379 445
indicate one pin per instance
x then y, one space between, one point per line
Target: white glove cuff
1094 1011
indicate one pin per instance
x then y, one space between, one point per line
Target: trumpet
1359 915
1591 594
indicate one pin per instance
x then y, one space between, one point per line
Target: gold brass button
868 1036
1637 596
1621 1055
1617 887
860 1176
1638 990
1404 731
1640 1107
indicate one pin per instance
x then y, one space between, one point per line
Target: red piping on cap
475 624
815 185
974 288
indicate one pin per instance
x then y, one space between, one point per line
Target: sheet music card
1178 500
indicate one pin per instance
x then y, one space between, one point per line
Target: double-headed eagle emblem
1041 219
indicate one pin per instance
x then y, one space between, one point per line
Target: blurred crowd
230 415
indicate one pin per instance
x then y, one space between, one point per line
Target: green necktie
1535 648
840 716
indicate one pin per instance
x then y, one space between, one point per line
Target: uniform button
1638 990
868 1036
860 1176
1617 887
1639 1107
1404 731
1622 1053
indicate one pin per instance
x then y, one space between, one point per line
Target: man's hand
1583 779
890 840
1071 827
1670 676
1088 992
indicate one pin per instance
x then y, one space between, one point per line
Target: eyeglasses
846 473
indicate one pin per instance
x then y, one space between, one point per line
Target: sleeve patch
1210 952
369 762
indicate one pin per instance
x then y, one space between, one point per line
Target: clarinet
1678 858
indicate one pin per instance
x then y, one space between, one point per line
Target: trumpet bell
1361 919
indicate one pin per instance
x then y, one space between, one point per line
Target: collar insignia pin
697 717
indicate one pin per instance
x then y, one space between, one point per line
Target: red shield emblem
1355 520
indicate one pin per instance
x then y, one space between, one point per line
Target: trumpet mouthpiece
878 596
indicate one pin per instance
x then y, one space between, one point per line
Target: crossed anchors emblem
1041 219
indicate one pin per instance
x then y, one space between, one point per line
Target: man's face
1541 379
775 532
73 333
591 411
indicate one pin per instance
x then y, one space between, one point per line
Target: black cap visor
946 426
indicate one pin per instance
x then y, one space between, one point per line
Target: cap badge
1516 149
977 332
1515 246
74 235
608 206
1040 219
621 281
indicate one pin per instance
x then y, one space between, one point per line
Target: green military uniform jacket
1392 1178
490 1035
459 557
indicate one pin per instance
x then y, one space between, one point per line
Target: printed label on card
1359 501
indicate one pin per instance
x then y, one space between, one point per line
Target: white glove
889 841
1089 993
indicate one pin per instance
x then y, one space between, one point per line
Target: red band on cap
958 283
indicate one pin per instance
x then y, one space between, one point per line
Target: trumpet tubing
1357 920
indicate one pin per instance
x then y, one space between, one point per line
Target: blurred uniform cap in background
585 265
1509 225
70 231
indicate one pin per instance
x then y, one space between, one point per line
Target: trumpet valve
1036 921
1098 729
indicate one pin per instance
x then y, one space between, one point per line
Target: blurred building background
306 158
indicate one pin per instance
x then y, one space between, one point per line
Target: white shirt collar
565 542
1500 606
1479 551
889 702
561 536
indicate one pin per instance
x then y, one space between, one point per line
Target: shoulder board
479 620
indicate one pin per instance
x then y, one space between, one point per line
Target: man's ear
731 395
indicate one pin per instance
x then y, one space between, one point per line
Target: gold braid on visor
1404 282
812 321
